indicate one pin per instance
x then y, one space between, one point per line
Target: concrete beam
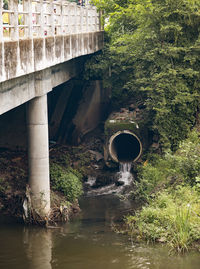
26 56
18 91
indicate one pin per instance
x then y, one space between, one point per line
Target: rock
103 180
131 107
119 183
123 109
96 166
98 155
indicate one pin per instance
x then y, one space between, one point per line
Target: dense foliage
152 51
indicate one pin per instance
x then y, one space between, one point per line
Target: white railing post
94 19
1 21
81 19
52 19
41 18
87 20
62 17
27 7
59 32
76 18
13 6
67 19
73 30
71 19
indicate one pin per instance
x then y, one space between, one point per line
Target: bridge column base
38 151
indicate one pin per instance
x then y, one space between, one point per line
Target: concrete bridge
41 44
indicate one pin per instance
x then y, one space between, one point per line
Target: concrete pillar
38 149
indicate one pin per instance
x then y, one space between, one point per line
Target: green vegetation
171 215
181 167
152 51
66 180
5 4
151 54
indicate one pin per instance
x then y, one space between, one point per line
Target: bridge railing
22 19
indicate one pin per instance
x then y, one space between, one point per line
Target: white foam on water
104 190
91 181
124 177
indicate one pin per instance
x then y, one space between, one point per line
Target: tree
152 50
5 4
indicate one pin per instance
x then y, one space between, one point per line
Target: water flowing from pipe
125 175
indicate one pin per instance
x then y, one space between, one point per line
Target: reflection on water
85 243
38 245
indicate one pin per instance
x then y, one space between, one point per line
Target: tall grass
172 217
181 238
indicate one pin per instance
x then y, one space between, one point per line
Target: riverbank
70 167
169 185
13 188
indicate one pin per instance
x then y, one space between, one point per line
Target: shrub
66 180
171 218
183 166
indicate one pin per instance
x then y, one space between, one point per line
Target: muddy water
87 242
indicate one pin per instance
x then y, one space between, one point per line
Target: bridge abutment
38 152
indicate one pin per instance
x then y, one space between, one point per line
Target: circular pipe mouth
125 146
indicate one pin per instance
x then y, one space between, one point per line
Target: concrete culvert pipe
125 146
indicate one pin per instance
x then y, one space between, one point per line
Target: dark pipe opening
125 147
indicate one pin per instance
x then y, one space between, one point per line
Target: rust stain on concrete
10 58
38 50
66 46
58 46
25 47
49 48
86 41
90 42
74 45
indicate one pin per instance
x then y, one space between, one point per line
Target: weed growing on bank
171 217
66 180
171 187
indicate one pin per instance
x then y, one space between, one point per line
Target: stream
87 242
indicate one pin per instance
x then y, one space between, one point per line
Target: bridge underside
27 76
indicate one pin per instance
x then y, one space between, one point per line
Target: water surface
87 242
